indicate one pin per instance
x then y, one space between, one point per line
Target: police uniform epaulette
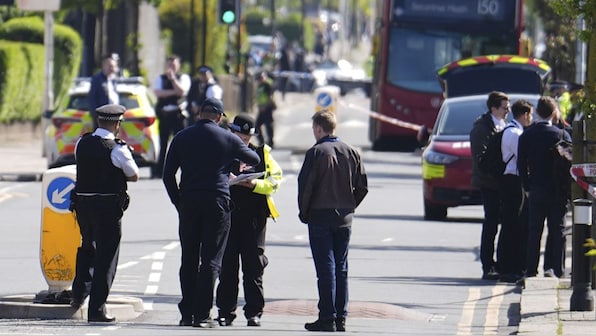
120 141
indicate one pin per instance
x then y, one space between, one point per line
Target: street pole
204 44
191 41
273 26
48 38
582 298
580 57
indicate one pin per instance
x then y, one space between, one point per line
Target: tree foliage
587 10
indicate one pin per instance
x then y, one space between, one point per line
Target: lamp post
582 298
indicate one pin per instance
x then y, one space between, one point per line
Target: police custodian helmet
110 112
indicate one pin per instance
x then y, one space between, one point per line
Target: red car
447 159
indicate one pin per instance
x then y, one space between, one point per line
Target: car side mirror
423 135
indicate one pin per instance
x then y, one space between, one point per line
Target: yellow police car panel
139 128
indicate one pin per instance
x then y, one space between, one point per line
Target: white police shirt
120 155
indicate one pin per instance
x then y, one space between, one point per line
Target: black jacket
204 153
535 158
483 129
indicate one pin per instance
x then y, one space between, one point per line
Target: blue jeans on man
329 233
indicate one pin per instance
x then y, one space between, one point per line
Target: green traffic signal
228 17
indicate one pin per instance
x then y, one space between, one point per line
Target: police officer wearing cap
203 87
171 89
99 199
203 152
252 205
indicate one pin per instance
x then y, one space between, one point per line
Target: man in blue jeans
331 184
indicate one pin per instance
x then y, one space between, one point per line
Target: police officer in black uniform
203 87
203 152
253 204
104 165
171 89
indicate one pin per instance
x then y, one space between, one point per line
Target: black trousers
265 120
204 226
514 227
247 243
99 219
491 201
544 206
170 123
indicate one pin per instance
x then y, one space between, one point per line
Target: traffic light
228 11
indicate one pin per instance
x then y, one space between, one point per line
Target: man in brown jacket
331 184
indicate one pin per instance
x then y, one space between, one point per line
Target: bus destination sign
474 10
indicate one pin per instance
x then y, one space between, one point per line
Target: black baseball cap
215 104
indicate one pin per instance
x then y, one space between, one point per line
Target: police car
139 128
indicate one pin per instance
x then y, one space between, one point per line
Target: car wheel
434 212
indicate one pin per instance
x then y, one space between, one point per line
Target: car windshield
457 118
479 80
80 102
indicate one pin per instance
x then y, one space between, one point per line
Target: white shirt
509 146
499 124
185 83
113 96
120 155
214 91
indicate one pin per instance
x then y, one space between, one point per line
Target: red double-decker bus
416 37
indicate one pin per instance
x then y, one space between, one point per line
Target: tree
587 10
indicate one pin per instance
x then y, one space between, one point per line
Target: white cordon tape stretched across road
381 117
580 170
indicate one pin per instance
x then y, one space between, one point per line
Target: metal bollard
582 298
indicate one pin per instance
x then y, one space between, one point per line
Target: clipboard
245 177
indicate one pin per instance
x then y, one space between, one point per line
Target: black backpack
490 160
561 156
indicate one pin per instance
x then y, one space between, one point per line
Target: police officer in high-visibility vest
252 205
104 165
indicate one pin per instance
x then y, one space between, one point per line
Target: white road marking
6 194
159 255
127 265
151 290
171 246
157 266
154 277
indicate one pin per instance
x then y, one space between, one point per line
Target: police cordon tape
583 170
383 118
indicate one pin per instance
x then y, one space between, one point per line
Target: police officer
204 153
252 205
171 89
104 165
203 87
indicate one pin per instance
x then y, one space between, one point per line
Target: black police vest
244 199
95 171
166 84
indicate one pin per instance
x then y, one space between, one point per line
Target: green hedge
21 81
67 59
